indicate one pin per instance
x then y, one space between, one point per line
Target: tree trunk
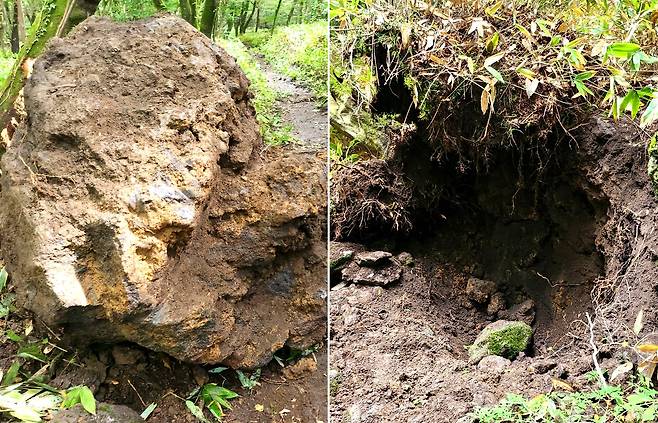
292 11
3 24
257 20
193 8
208 15
241 17
43 29
20 17
276 13
246 23
15 39
186 11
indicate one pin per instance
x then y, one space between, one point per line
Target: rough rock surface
372 268
136 205
480 290
373 258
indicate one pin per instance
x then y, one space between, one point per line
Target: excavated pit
527 219
529 226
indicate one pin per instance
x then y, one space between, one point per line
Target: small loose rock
373 258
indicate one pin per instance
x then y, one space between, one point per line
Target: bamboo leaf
493 59
484 101
196 411
622 50
495 74
650 114
637 327
148 411
531 86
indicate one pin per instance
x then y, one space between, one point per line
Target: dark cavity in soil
528 221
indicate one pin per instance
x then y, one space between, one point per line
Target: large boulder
139 205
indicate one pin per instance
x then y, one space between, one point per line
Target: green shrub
254 39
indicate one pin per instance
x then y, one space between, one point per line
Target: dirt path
298 108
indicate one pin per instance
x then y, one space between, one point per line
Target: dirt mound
561 232
138 209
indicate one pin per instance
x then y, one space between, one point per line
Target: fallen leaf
259 407
493 59
405 31
484 101
560 384
283 412
637 327
620 370
647 348
531 86
647 368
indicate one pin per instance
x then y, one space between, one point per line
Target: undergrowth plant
632 402
24 394
212 396
524 66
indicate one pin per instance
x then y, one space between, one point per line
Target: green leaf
526 72
632 99
3 278
196 411
71 398
13 336
32 352
26 414
493 42
495 74
148 411
87 400
216 410
217 370
650 114
582 89
584 76
622 50
11 374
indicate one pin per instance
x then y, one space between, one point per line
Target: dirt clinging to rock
138 205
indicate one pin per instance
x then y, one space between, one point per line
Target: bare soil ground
581 241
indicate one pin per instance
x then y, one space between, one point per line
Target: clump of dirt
545 234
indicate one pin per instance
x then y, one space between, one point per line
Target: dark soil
570 228
130 375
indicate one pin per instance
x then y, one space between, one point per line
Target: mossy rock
345 256
503 338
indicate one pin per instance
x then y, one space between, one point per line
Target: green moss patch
503 338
